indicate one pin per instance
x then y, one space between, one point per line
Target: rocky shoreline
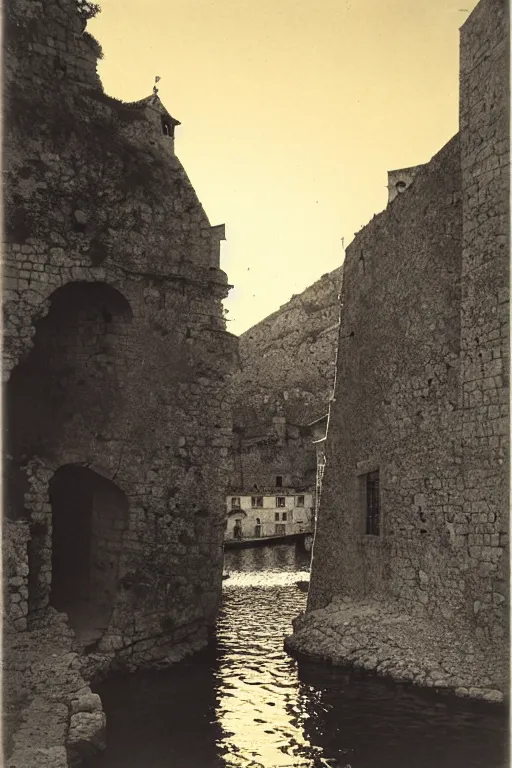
52 718
382 638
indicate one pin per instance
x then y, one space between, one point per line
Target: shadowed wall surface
422 387
115 349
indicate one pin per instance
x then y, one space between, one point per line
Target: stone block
89 702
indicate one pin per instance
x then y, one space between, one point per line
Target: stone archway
76 368
61 401
89 517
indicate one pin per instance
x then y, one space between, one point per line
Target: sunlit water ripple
246 704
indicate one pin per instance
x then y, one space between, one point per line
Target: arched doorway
89 517
235 528
61 398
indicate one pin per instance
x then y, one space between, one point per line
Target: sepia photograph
256 434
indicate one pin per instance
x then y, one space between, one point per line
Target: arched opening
235 528
61 399
89 517
75 368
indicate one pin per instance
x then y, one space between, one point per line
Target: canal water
244 703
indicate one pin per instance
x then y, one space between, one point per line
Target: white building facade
260 515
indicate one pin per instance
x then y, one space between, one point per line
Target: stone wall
258 461
482 521
116 354
396 378
422 392
15 535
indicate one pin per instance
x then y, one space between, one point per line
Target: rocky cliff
287 361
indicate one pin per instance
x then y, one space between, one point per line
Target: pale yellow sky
292 113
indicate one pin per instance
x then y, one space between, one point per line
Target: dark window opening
279 481
235 502
280 501
400 186
256 501
276 515
300 501
372 504
89 517
285 516
167 128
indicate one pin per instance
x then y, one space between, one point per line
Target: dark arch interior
74 367
61 397
89 516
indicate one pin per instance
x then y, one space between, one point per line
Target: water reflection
245 702
261 561
358 719
162 719
257 680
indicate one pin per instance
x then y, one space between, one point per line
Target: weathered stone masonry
485 312
116 355
422 387
285 382
388 394
287 360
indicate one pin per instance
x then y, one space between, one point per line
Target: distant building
280 513
282 448
275 479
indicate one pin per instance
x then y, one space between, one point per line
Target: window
280 501
235 502
257 531
372 504
256 501
300 501
279 481
276 516
284 516
280 529
167 128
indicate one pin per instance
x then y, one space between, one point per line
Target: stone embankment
380 637
51 717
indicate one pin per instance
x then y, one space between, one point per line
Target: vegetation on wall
87 10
